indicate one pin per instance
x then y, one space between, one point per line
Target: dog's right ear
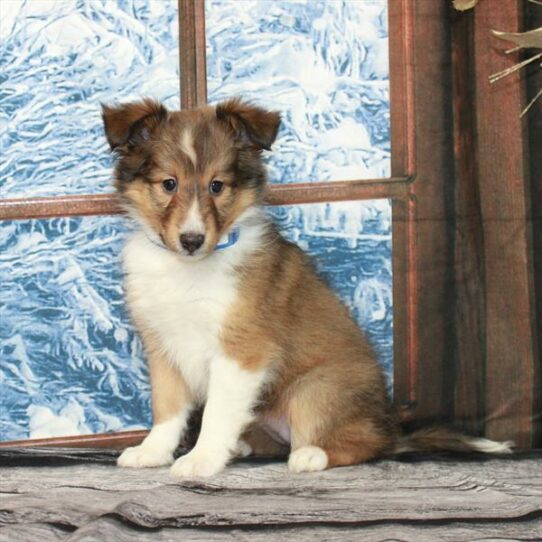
128 125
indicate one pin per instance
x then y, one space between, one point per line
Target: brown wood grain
402 383
469 302
432 192
50 207
405 317
192 53
390 188
401 15
511 351
403 162
266 497
534 119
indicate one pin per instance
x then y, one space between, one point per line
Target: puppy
233 316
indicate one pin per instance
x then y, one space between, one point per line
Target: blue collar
233 237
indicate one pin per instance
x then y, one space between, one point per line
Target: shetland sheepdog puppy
232 316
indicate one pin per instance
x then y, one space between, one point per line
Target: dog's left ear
251 125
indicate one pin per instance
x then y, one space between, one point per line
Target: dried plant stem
531 103
512 69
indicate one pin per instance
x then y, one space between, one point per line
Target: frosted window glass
70 362
324 65
59 59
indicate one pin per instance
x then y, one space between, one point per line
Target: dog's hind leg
335 426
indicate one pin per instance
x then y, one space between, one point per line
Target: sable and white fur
250 332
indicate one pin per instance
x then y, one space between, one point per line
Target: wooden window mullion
192 56
403 163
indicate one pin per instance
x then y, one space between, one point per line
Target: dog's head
187 176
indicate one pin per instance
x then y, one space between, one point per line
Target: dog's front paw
143 456
196 464
307 459
243 449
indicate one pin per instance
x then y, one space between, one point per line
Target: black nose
192 241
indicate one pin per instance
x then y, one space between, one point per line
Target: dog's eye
169 185
216 187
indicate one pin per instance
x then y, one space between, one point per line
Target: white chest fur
182 303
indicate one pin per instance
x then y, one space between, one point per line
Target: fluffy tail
444 440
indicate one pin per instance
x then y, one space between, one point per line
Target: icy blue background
58 60
69 360
324 66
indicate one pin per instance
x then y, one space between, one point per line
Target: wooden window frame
432 378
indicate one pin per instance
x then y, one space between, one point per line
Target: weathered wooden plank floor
441 499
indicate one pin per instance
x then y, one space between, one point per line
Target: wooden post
469 302
503 176
534 84
432 192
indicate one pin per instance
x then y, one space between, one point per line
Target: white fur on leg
158 447
307 459
243 449
231 396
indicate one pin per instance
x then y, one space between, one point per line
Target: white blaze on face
193 222
187 146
